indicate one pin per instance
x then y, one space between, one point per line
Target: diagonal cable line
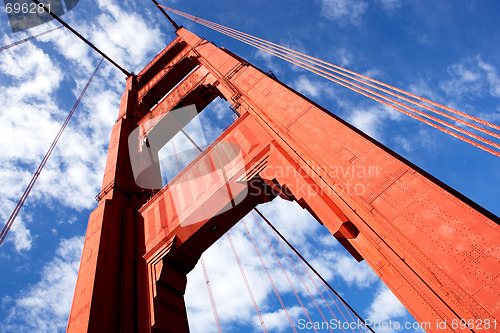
254 302
312 268
296 272
287 277
3 48
27 191
81 37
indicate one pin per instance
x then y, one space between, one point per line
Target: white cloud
403 142
269 60
345 267
385 307
472 77
277 321
344 11
44 307
313 88
307 87
491 76
465 80
344 56
371 120
33 110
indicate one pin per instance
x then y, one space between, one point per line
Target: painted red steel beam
435 249
409 224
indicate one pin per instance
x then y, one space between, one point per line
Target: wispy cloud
385 307
491 77
44 307
472 77
371 119
33 110
313 88
344 11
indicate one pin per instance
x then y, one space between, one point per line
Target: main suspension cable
27 191
364 91
325 64
284 53
313 65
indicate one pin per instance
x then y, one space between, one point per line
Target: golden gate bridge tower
435 249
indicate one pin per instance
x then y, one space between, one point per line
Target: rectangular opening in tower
204 129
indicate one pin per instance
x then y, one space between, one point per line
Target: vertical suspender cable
296 271
319 290
286 276
211 295
27 191
256 307
312 268
270 278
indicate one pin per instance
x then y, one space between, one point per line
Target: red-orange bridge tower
435 249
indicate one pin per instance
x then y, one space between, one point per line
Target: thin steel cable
3 48
312 268
319 291
287 277
270 278
319 61
305 268
27 191
81 37
211 295
295 269
254 302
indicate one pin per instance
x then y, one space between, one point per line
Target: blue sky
446 51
